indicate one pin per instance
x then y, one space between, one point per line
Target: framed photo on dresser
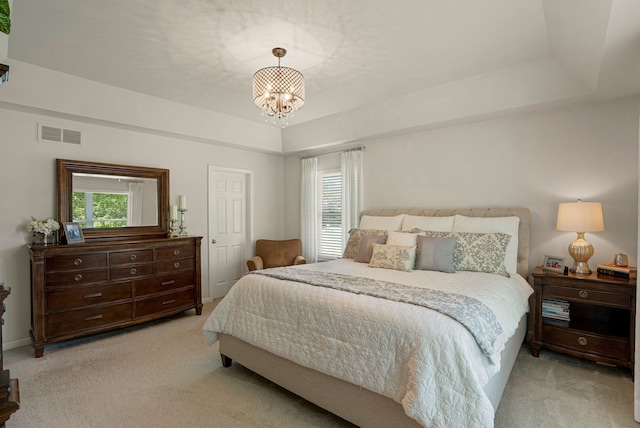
73 233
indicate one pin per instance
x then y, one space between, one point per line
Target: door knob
213 241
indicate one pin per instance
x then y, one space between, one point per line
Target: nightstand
602 315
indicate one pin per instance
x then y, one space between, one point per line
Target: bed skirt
348 401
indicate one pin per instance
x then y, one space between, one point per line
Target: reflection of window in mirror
102 201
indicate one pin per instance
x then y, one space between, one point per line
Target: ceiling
359 55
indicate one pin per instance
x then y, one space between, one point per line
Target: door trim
212 169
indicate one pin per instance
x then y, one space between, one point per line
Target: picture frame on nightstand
553 263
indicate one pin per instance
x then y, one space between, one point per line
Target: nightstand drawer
586 342
587 295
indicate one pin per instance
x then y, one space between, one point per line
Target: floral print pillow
353 244
395 257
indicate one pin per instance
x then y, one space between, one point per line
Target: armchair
276 254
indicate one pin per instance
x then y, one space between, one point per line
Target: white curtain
134 208
309 209
351 190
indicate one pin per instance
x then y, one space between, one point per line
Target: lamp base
581 251
580 268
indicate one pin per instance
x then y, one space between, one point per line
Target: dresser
83 289
600 325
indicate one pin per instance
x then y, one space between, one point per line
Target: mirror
113 201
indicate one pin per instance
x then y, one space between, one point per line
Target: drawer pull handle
77 262
132 257
176 265
583 293
176 252
166 302
89 296
95 317
133 271
173 281
582 341
78 277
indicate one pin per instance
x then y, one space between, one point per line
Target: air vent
52 134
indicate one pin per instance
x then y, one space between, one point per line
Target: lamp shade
580 217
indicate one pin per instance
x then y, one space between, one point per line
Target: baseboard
16 344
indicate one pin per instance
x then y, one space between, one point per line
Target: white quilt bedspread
420 358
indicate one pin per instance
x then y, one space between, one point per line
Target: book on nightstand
610 269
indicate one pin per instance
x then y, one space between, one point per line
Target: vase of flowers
43 230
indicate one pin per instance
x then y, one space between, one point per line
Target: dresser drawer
178 252
166 302
586 295
131 272
80 297
84 319
78 277
128 257
605 346
175 265
82 261
164 283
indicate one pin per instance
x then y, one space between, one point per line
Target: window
92 209
329 215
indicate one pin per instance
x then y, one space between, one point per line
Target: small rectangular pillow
353 244
366 247
401 238
478 252
395 257
381 222
435 253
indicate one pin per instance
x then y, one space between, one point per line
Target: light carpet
162 374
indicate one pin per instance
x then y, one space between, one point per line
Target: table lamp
580 217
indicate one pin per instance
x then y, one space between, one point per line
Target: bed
385 360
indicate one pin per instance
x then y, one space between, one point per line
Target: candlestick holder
183 225
173 229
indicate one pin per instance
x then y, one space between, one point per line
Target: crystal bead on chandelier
278 91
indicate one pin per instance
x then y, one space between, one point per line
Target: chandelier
278 91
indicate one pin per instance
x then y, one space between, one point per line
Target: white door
228 225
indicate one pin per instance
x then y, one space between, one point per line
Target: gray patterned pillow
353 244
395 257
435 253
478 252
366 247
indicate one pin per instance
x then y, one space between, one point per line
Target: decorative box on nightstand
601 322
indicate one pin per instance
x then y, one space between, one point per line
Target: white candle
174 212
183 202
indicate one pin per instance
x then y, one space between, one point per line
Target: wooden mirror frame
64 173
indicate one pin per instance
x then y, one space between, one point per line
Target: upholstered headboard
522 213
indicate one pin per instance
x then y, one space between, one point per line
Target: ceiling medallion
278 91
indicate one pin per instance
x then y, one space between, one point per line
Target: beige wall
27 174
533 160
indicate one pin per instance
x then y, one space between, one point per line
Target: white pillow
381 222
508 225
437 224
401 238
